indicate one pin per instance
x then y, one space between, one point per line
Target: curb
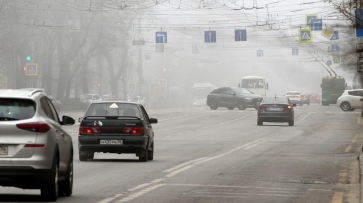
360 177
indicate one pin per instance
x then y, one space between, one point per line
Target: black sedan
276 109
232 97
116 127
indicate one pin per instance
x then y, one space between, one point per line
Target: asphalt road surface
203 155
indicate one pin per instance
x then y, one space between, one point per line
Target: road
203 155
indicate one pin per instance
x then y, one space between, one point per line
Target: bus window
252 83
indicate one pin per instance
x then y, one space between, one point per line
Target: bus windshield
200 92
253 83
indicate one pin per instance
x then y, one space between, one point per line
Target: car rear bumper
131 144
275 119
24 176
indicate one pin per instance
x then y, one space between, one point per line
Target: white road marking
158 180
135 195
183 164
303 118
179 171
109 199
249 147
139 186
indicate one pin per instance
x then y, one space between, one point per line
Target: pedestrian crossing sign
337 60
305 36
31 69
308 19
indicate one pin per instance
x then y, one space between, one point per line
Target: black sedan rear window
16 109
113 109
273 100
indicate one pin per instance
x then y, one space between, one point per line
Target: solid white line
303 118
158 180
140 186
183 164
110 198
179 171
133 196
249 147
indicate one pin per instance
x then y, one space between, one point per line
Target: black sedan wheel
241 105
345 106
213 105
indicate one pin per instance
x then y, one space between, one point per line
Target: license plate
3 150
274 109
115 142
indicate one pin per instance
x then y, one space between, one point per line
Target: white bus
254 84
200 92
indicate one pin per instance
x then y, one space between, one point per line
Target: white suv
35 151
350 100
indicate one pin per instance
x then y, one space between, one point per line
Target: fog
85 46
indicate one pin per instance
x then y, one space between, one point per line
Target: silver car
35 151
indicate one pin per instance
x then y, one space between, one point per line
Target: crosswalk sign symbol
308 19
31 69
337 60
305 36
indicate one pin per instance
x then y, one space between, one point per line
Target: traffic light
99 84
28 58
164 69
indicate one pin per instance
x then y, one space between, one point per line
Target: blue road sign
316 24
210 36
259 53
295 51
335 36
305 36
240 35
31 69
335 48
337 60
161 37
309 17
359 22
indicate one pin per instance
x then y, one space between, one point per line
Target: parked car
314 98
276 109
35 152
350 100
87 99
116 127
232 97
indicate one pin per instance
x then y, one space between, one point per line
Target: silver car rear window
16 109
